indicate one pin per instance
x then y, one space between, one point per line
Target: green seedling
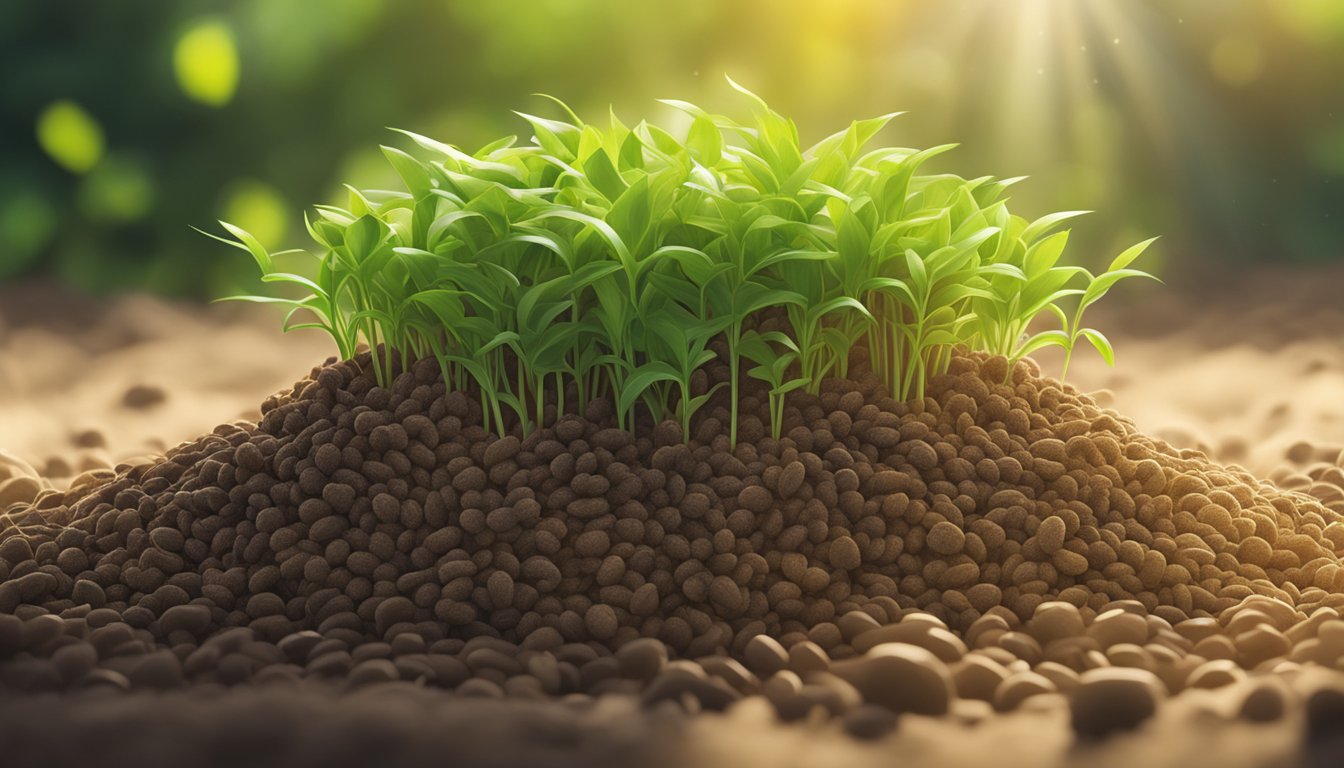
610 261
774 354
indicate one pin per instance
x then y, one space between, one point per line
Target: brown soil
996 558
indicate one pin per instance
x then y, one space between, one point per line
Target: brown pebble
756 499
372 671
765 656
1264 703
671 685
642 658
1018 687
159 670
1050 534
1113 699
391 611
869 722
601 622
1055 620
900 677
139 396
844 554
194 619
88 438
946 538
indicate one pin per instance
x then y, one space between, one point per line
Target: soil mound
382 534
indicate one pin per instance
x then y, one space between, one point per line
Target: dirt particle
946 538
142 396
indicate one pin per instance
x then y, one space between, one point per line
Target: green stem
686 410
559 394
541 399
734 336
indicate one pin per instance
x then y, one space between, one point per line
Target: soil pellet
1113 699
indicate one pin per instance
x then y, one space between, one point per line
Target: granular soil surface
371 576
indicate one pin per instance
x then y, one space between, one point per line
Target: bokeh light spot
259 209
1327 150
70 136
117 191
205 61
1317 21
1237 60
295 37
27 222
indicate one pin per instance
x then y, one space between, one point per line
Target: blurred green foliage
1213 122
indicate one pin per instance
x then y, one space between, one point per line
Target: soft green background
1218 124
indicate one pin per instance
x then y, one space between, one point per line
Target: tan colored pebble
1216 647
900 677
18 490
1018 687
1064 677
1050 534
1258 645
946 538
1053 621
807 656
1113 699
844 554
1216 673
1116 626
977 676
765 656
1195 630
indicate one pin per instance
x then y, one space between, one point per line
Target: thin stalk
734 336
686 414
521 394
540 397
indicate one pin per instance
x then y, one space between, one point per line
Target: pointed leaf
1048 222
1101 343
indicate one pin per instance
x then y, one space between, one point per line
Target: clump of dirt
992 542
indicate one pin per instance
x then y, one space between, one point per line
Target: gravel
995 547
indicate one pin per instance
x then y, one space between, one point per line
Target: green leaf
862 131
1044 254
704 141
919 276
597 225
837 304
631 214
603 175
1011 271
781 257
750 298
558 138
1048 222
1103 283
1041 340
245 242
363 236
644 377
1101 343
285 277
632 152
1130 254
699 401
412 173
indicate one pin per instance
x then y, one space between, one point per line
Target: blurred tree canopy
1215 123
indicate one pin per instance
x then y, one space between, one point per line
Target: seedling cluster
609 258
